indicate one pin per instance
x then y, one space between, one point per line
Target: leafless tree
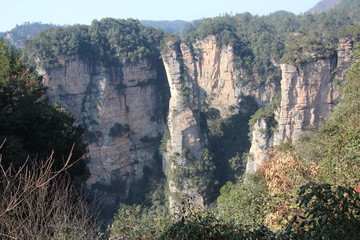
37 202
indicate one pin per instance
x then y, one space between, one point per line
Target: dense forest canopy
107 41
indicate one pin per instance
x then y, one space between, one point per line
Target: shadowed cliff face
122 109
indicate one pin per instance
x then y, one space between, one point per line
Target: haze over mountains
324 5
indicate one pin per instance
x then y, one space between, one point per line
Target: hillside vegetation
107 41
20 33
304 190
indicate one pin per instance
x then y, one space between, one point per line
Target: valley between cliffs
181 114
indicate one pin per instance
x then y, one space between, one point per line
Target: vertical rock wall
216 74
122 108
198 73
185 143
261 141
310 92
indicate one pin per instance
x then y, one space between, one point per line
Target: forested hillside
166 126
20 33
323 6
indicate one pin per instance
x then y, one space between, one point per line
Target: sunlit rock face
123 110
185 141
310 92
126 108
202 72
261 141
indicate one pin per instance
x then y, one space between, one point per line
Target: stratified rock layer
185 141
122 109
310 92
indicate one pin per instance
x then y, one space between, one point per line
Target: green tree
244 202
329 213
138 222
30 126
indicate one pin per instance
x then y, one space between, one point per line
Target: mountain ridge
323 6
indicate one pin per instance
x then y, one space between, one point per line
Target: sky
70 12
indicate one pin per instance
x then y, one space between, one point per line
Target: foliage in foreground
244 202
323 212
329 213
40 203
139 222
30 124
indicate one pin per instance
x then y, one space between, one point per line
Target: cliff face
261 141
307 97
202 76
310 92
215 73
220 82
122 109
185 142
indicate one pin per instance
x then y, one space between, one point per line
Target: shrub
244 202
330 213
139 222
191 223
39 203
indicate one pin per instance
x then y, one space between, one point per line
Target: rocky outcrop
185 142
198 74
310 92
221 83
261 141
122 108
307 97
215 74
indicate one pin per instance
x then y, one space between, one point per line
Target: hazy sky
84 11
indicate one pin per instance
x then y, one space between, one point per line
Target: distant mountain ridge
27 30
324 6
